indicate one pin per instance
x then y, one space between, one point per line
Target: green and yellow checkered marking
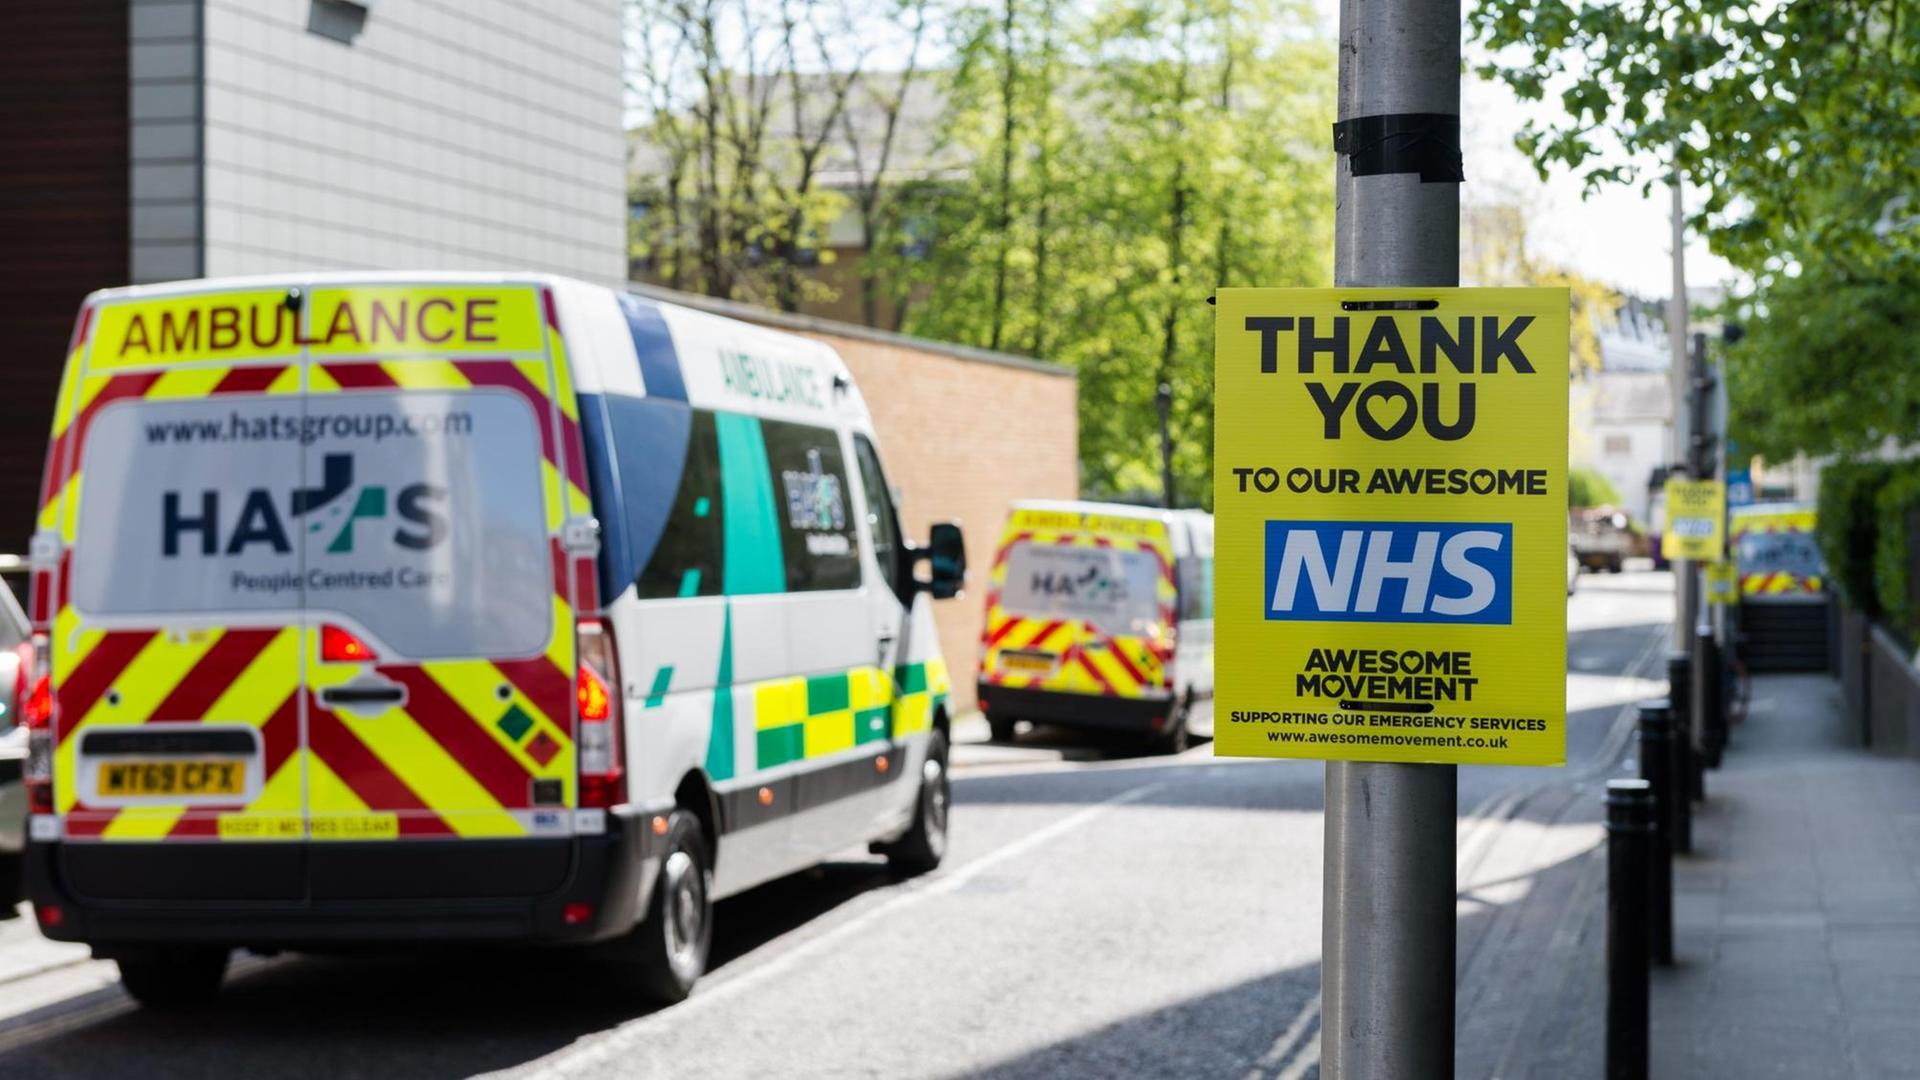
800 718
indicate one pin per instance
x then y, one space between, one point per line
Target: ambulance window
1196 587
811 504
1113 589
183 512
683 512
883 525
418 514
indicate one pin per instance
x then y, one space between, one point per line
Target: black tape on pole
1424 143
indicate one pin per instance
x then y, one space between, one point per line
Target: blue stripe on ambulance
644 447
659 360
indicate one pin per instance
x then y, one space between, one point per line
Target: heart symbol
1370 417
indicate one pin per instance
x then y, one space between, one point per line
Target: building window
1617 445
337 20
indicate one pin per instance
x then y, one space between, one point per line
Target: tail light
337 646
36 713
1161 649
597 687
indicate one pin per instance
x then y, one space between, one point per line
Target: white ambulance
462 608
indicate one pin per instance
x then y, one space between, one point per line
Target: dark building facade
64 213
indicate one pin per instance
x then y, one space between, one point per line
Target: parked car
1601 539
15 663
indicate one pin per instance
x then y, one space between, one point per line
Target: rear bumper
1095 711
344 893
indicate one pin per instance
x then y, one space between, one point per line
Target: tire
1176 740
924 844
1000 728
10 892
668 950
174 976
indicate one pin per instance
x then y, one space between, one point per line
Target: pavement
1101 913
1797 920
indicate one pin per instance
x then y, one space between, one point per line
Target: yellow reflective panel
163 331
399 320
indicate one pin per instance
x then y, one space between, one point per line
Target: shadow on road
430 1014
1529 998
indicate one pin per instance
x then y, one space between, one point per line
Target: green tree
1587 488
733 106
1798 119
1130 158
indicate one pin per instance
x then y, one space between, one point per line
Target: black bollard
1686 730
1629 830
1711 698
1656 768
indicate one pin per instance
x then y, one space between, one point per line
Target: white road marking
1284 1045
1309 1057
608 1048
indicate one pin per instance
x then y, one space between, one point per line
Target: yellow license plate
1028 663
121 779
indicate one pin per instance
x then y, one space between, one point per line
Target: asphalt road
1100 914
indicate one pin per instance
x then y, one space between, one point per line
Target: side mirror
946 553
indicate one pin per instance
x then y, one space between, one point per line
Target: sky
1614 236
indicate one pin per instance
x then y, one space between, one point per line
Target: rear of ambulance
1081 618
318 655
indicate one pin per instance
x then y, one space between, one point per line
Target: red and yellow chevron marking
452 760
444 763
461 757
242 675
1070 656
1779 583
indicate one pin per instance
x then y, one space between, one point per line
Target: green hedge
1586 487
1847 529
1892 548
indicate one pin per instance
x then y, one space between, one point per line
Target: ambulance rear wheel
1000 728
670 946
175 976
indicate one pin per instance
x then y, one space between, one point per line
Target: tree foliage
1799 120
1130 157
736 106
1105 165
1587 488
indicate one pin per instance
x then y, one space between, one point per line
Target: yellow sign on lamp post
1390 498
1696 520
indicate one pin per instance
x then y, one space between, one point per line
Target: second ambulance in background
1099 615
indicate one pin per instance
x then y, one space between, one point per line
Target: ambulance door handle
884 645
362 695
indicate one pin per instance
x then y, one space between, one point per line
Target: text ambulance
461 607
1100 616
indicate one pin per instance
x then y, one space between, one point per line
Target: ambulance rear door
447 550
168 581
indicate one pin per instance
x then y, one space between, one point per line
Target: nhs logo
1390 571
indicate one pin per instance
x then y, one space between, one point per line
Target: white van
1100 616
462 607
